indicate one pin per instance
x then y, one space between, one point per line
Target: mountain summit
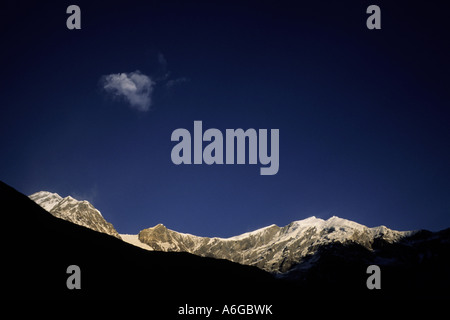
82 213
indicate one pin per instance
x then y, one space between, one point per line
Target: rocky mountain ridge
273 248
82 212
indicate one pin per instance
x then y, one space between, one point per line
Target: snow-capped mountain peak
334 221
79 212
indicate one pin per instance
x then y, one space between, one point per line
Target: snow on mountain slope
82 213
133 239
272 248
249 234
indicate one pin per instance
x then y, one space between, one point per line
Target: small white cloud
136 88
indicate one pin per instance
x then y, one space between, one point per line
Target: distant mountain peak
79 212
333 221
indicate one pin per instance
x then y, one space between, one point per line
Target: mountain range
307 259
274 249
312 253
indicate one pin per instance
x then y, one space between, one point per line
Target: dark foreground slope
37 248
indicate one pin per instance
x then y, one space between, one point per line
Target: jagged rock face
82 213
273 248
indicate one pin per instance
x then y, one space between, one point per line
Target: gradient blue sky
363 115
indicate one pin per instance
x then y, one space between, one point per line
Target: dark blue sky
363 114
